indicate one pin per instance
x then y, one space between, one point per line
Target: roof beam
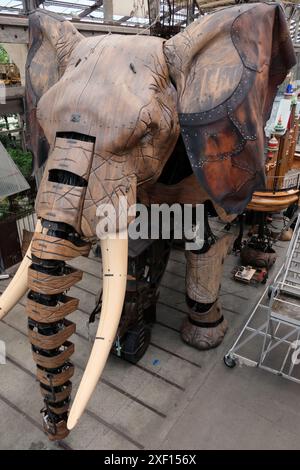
59 3
13 29
124 18
87 11
10 9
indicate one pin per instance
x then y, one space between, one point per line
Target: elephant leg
205 326
49 277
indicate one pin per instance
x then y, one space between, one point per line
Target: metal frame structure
101 11
279 331
97 16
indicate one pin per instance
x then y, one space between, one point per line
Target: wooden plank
13 33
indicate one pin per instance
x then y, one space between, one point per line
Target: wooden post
30 5
190 12
108 10
154 11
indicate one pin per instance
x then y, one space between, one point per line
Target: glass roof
73 9
125 12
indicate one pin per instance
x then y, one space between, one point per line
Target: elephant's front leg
205 326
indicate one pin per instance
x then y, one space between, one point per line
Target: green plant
4 139
4 58
22 159
4 208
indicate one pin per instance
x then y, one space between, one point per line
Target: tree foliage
4 58
22 159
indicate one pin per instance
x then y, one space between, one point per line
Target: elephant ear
226 68
51 42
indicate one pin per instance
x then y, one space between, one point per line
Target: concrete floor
175 398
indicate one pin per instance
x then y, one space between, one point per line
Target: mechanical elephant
152 121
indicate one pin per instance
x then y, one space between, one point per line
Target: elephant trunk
49 277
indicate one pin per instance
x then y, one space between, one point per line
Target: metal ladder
271 337
290 283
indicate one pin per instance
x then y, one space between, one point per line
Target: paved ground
175 398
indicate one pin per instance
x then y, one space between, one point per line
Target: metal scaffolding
270 339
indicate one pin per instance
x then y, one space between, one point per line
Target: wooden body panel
59 410
49 285
52 341
58 432
64 202
44 314
54 361
58 396
46 247
187 191
55 379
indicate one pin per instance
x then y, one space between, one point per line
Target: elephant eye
147 137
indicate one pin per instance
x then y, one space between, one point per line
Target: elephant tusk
115 260
18 286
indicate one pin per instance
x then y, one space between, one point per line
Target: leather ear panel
223 132
51 42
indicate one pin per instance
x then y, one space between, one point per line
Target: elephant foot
205 330
55 427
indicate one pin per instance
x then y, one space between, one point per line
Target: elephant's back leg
205 325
